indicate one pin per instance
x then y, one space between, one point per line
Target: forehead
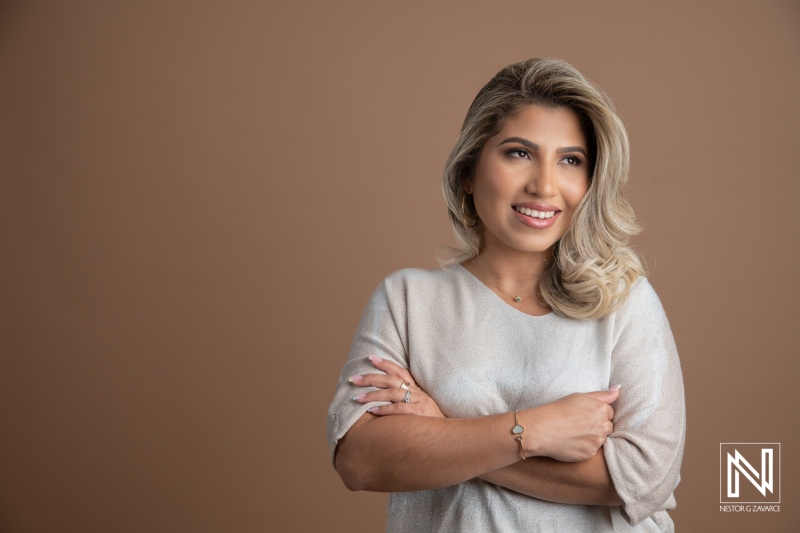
540 124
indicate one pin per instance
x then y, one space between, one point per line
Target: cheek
574 191
493 191
485 201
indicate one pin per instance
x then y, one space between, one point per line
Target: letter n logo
750 472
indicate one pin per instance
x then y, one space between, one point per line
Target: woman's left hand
419 403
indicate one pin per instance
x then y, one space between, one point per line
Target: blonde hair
591 268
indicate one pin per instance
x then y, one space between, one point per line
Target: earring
463 218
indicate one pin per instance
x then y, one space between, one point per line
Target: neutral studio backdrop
197 199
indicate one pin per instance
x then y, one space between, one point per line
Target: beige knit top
476 355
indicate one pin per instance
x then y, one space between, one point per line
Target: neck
513 270
510 274
513 274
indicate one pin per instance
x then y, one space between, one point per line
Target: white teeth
534 213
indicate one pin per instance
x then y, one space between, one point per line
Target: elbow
352 474
351 481
352 484
638 506
648 474
352 464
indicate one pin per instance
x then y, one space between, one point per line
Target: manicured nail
615 387
354 379
372 409
375 358
358 396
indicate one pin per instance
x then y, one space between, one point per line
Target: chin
534 247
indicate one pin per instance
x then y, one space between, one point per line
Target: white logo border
780 477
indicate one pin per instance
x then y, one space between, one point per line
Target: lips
537 222
534 213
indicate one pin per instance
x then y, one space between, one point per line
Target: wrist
531 445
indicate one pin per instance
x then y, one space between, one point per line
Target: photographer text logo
750 476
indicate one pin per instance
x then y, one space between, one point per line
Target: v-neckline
497 297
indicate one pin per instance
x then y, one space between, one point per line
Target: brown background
197 198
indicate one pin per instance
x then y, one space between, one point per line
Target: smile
534 213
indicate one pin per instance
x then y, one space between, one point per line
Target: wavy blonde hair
591 268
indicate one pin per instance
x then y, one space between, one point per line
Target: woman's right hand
420 403
570 429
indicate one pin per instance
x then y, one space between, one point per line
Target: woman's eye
517 152
572 160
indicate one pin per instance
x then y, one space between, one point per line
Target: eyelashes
521 153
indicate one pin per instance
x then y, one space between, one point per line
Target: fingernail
354 379
372 409
375 358
358 396
615 387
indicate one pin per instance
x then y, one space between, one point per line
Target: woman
504 357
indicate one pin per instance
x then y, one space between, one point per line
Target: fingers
608 396
574 427
393 409
389 391
419 403
382 381
391 368
424 406
613 393
383 395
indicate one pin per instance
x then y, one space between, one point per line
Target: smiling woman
512 168
554 170
501 360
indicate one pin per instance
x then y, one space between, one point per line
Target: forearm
405 453
584 483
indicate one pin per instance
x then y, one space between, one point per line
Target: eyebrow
533 146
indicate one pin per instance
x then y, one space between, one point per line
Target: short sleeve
381 331
645 450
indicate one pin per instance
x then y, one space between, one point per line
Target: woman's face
537 164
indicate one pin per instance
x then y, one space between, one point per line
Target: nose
543 181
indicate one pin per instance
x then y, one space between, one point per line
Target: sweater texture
476 355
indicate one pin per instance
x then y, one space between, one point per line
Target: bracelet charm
518 430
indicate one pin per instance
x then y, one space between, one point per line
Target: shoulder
420 278
642 295
642 306
419 286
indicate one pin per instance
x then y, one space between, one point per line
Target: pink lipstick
536 222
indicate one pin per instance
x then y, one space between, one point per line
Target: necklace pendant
518 298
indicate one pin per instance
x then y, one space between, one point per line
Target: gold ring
405 385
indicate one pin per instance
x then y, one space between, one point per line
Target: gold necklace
516 298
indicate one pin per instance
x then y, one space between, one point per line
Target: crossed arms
390 453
